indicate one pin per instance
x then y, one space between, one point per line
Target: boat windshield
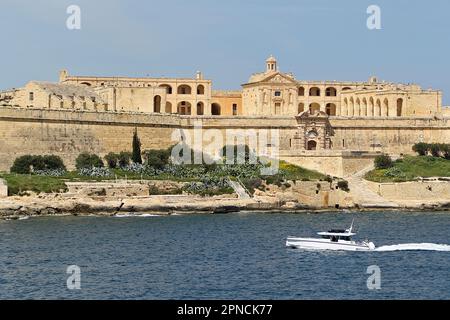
337 238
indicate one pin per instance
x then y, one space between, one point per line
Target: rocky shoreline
58 205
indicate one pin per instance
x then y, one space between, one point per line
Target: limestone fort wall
67 133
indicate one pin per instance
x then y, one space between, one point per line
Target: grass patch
293 172
410 168
18 184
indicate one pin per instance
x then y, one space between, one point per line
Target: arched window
346 88
301 108
157 104
357 111
399 107
331 92
301 92
200 89
371 112
314 108
167 87
314 92
184 108
200 109
331 109
378 108
215 109
386 108
184 89
86 84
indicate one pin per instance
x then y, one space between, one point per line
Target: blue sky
227 40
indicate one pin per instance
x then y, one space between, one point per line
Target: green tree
157 158
112 159
22 165
383 162
86 160
124 159
435 150
445 148
421 148
343 185
52 162
137 156
28 163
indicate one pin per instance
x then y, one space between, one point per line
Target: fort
335 127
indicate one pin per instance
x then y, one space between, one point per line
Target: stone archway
200 109
312 145
184 108
157 104
399 107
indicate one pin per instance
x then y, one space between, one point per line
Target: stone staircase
363 195
239 189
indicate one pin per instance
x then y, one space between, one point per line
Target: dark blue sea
237 256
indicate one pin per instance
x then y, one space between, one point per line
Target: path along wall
68 133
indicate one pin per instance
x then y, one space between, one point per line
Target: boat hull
326 244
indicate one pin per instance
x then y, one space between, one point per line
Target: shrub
112 160
435 150
395 173
86 160
383 162
208 187
445 148
136 155
124 159
343 185
252 184
421 148
52 162
22 165
275 180
28 164
157 158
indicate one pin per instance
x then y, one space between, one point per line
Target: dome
271 59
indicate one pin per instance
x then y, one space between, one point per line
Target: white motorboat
340 240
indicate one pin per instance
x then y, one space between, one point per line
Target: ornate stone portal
314 131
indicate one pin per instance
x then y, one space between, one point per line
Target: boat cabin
336 235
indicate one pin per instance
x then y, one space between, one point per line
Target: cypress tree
136 157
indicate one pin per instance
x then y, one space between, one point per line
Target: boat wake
415 247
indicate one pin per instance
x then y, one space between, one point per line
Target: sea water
236 256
